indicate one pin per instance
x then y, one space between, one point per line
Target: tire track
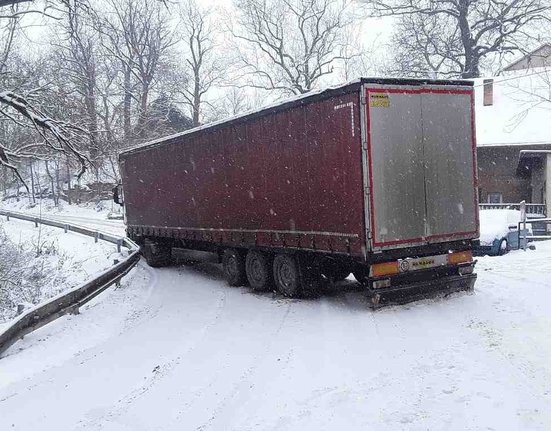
159 373
243 383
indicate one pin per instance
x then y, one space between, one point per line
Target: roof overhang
528 158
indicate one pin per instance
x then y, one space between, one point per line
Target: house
540 57
513 121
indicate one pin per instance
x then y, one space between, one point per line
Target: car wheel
503 247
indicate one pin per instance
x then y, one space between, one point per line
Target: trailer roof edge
309 97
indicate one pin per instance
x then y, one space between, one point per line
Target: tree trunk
52 185
196 98
127 103
471 58
32 181
68 172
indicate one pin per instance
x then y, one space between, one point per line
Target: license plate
411 264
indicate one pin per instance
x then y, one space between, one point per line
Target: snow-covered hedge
29 272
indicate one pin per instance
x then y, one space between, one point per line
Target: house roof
544 52
521 109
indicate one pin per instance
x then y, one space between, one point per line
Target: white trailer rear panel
421 165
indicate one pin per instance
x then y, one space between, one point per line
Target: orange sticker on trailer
379 100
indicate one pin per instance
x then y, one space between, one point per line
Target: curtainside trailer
376 177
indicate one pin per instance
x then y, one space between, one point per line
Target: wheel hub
257 272
286 275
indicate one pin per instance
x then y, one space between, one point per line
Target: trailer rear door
421 165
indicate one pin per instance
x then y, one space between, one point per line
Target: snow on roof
521 110
538 56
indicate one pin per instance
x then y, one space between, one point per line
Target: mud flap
404 294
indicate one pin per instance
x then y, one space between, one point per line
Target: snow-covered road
115 227
176 349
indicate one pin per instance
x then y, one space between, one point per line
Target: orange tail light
385 268
460 257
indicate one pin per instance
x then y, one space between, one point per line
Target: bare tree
422 46
20 104
205 65
480 28
76 54
56 135
290 45
139 35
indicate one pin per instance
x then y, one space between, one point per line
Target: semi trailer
376 177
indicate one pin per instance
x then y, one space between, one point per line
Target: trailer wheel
156 255
287 275
234 267
310 276
296 276
258 267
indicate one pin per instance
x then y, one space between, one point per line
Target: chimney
488 92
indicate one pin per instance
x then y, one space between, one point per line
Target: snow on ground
74 258
175 348
97 210
92 215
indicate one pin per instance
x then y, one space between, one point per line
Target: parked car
499 232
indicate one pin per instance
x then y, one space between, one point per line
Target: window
495 198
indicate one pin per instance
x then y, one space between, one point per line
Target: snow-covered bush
28 273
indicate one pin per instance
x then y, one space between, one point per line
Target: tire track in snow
226 406
159 373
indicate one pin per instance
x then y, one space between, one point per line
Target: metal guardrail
73 299
530 208
525 238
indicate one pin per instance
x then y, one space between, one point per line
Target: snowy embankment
175 348
41 262
92 215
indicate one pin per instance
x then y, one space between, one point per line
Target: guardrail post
35 222
118 282
65 228
74 310
523 220
119 245
96 236
7 217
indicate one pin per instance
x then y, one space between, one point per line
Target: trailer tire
258 267
156 255
234 267
297 276
287 275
